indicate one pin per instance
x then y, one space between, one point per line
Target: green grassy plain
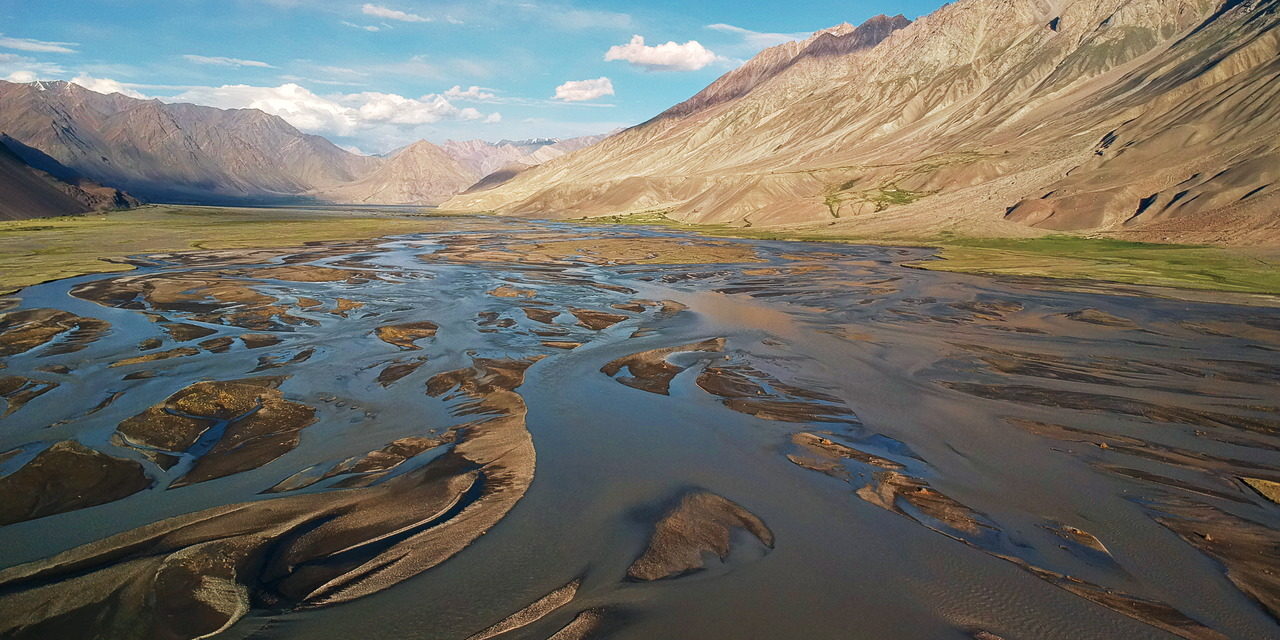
39 250
43 249
1053 256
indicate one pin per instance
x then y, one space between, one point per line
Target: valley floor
34 251
494 427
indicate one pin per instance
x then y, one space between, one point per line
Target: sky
374 76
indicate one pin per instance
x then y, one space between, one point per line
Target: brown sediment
581 626
1102 318
737 385
260 426
149 344
60 369
272 362
650 371
508 291
182 331
22 331
702 522
395 371
827 453
140 375
891 486
179 352
1142 449
494 319
343 305
303 550
985 635
5 456
784 411
65 477
404 335
670 308
530 614
218 345
637 250
635 306
995 310
214 298
373 465
1078 536
560 344
308 303
730 381
17 391
545 316
256 340
1247 549
1269 489
367 469
596 320
1114 404
1156 614
309 273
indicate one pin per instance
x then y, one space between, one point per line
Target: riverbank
1191 267
44 249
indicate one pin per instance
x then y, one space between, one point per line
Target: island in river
471 427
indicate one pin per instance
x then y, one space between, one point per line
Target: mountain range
49 189
187 153
1147 119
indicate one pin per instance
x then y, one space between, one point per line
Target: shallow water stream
936 455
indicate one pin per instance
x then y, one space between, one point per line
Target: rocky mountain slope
29 192
420 173
487 157
1140 118
173 152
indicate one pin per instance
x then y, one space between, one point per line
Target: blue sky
378 75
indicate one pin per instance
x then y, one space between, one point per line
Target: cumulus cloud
757 40
671 56
221 61
493 118
105 85
580 90
379 11
470 93
39 46
338 114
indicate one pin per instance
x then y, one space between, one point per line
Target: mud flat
510 429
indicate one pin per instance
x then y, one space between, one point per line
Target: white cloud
493 118
40 46
671 56
105 85
17 68
757 40
221 61
379 11
390 108
470 93
579 90
338 114
366 27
